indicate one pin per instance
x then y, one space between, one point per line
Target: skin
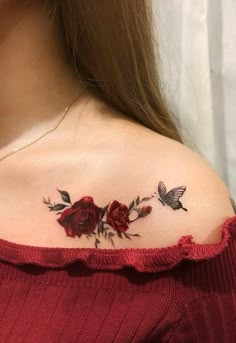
37 82
96 151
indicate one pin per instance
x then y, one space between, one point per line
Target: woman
112 230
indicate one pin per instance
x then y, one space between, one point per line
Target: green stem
135 208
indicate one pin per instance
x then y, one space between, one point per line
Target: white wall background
197 43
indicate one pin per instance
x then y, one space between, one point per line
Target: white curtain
197 43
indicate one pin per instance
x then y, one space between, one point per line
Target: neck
37 81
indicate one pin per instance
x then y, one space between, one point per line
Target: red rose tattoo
81 218
118 216
84 217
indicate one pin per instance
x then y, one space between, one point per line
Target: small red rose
118 216
146 210
81 218
143 211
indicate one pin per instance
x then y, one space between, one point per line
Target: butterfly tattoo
171 198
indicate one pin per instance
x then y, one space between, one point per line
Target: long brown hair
112 45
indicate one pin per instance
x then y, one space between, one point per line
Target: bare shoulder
186 195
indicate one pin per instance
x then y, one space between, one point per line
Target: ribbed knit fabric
182 293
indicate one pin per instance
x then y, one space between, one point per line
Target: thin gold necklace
63 116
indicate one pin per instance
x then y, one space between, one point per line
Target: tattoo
84 217
233 204
172 197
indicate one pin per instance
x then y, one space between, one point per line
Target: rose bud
145 211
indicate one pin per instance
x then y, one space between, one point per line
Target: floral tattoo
84 217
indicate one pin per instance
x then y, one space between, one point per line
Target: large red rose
117 216
81 218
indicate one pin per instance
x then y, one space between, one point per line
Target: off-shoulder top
182 293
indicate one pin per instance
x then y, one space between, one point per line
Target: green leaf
97 242
45 201
111 234
135 235
58 207
127 236
104 211
131 205
146 198
119 234
137 200
100 226
65 196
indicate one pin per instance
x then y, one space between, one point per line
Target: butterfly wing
161 189
172 197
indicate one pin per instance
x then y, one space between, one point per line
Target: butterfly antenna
185 209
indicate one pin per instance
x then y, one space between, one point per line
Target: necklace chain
63 116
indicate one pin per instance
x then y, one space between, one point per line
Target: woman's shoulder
186 195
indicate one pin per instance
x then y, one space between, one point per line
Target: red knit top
182 293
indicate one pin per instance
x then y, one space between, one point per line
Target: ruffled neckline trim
141 259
